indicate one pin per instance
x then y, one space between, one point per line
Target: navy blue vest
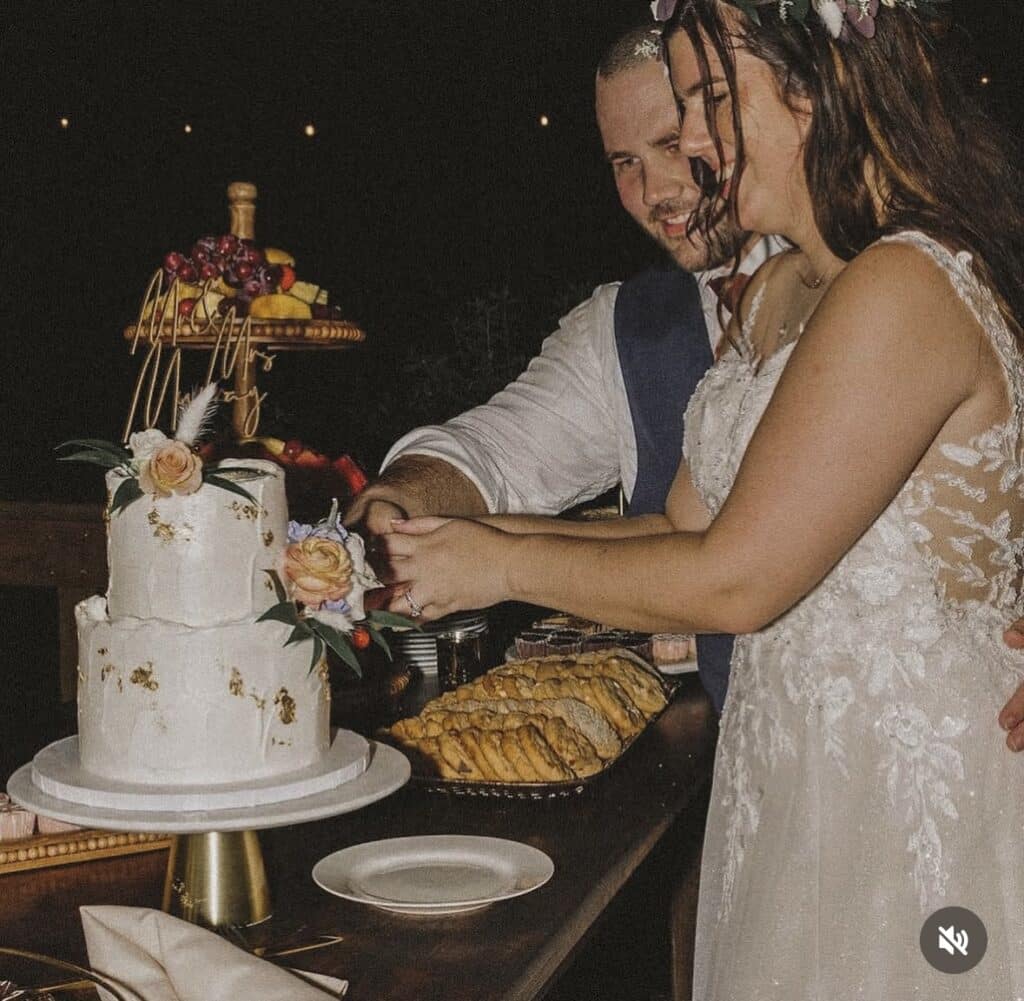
662 341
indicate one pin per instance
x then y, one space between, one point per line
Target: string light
188 129
64 123
985 80
545 121
310 130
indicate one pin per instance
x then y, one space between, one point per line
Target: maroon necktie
729 288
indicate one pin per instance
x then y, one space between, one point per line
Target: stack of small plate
419 647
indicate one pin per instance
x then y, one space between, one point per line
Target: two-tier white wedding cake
178 683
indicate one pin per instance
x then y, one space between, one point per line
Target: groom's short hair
633 48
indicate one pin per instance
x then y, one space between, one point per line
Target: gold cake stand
215 871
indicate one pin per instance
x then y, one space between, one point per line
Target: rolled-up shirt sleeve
559 435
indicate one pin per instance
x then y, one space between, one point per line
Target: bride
851 501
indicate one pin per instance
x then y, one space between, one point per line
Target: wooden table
510 951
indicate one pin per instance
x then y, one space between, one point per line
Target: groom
602 403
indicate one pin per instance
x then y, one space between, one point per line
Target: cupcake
672 648
532 643
15 823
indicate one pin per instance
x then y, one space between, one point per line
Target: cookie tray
540 790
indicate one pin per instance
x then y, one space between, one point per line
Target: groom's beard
712 222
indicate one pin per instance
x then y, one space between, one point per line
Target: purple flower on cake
173 468
326 566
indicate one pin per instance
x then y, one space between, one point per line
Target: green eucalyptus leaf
338 642
128 491
299 633
798 10
283 611
98 445
96 458
279 588
225 484
380 641
381 618
748 8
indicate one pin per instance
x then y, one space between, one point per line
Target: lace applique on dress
859 735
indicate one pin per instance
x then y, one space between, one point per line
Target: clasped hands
449 564
435 566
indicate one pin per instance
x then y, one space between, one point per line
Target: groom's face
639 124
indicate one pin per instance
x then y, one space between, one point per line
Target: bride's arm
891 354
684 512
610 528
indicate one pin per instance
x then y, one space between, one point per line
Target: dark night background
431 202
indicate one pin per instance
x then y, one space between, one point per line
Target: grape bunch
237 266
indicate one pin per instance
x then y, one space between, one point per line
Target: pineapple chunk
275 255
279 306
306 291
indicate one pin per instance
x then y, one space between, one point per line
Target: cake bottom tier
166 704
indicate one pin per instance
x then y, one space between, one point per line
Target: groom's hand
1011 718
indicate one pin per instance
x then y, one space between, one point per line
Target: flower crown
838 16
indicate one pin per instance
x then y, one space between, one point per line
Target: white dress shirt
562 433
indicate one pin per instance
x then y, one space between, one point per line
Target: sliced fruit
322 297
208 305
279 306
306 291
275 446
275 255
286 279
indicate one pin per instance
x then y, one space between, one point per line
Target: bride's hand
444 565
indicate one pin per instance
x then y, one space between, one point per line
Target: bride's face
772 194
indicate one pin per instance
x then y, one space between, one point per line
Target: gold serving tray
42 850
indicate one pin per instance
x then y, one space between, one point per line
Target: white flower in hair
831 14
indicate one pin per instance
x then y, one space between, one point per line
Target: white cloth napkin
152 956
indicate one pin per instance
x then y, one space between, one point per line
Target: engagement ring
416 610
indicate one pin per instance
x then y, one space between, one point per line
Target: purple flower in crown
663 9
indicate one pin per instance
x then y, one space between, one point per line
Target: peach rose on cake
320 571
173 468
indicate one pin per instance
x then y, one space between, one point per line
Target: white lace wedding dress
861 779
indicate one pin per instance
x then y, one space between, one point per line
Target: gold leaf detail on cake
235 684
162 530
106 670
102 651
261 703
285 706
120 684
249 512
143 675
268 537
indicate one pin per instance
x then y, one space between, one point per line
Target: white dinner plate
433 874
682 667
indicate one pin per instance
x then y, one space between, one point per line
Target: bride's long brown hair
891 107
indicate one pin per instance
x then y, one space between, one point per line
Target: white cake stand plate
386 771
